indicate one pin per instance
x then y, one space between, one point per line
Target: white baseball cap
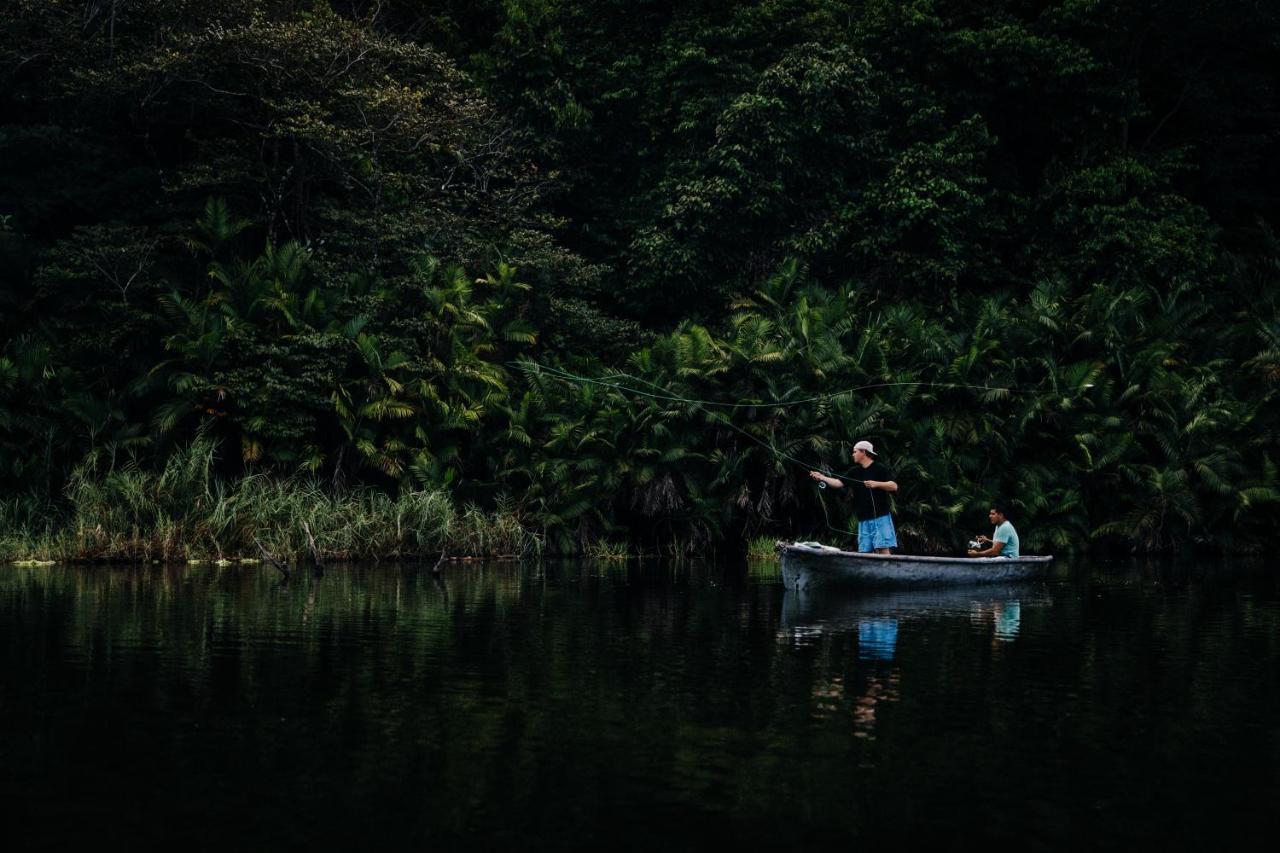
866 447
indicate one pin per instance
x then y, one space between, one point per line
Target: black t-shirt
868 503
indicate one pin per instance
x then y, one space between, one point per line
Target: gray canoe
807 565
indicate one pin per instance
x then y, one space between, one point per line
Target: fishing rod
532 367
564 374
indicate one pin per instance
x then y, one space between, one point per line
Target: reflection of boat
806 612
809 564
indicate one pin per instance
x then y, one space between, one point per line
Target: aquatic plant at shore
762 549
606 549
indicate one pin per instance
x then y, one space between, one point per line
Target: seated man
1004 541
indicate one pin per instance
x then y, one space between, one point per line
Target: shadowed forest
386 278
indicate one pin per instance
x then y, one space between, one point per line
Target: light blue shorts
877 533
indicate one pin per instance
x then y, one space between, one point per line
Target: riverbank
186 513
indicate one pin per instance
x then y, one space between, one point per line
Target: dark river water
657 707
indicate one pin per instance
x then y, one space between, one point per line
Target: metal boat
806 565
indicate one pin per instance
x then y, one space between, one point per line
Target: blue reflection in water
1008 620
877 638
1003 616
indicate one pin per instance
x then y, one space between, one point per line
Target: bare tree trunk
316 562
283 568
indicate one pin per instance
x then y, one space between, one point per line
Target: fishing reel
975 545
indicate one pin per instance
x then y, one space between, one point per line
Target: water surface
636 707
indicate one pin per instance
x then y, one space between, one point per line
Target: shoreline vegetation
353 280
185 513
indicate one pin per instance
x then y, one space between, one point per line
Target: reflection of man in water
877 641
1008 619
875 681
877 638
880 688
1005 616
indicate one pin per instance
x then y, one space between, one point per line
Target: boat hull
806 566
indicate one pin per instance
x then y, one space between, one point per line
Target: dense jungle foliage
621 271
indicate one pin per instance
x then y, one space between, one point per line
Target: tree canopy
629 268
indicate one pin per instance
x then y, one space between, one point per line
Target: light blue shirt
1006 534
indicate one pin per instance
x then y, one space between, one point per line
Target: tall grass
28 529
763 548
606 549
127 513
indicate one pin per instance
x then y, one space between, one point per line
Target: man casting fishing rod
875 524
